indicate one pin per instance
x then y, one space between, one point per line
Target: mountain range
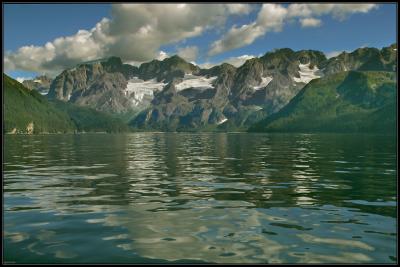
283 90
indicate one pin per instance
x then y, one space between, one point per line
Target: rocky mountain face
98 84
39 83
363 59
111 86
176 95
237 98
272 80
188 102
233 97
166 70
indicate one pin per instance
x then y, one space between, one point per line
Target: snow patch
197 82
37 81
21 79
222 121
307 74
69 97
264 82
138 89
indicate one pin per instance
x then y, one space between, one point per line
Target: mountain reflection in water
206 197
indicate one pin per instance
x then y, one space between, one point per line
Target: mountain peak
175 59
279 51
112 60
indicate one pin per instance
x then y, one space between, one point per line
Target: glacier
307 74
197 82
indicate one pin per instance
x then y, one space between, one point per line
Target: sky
48 38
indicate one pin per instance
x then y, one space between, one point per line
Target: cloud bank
273 17
188 53
135 32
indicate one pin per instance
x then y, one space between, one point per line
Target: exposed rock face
272 80
104 93
98 84
189 102
268 82
40 83
110 86
371 59
167 69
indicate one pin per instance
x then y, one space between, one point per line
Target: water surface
191 198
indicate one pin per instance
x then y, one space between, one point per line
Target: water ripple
221 198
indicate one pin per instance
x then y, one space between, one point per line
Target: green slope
345 102
90 120
23 107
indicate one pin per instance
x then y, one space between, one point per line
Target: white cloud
162 55
270 18
239 8
237 37
334 53
207 65
310 22
188 53
135 32
338 11
235 61
273 17
133 63
238 61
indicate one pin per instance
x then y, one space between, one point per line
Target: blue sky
339 28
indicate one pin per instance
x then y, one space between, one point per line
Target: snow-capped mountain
173 94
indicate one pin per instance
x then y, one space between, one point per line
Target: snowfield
257 108
196 82
222 121
138 89
307 74
264 82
